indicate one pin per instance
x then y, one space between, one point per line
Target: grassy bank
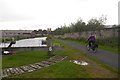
63 69
23 58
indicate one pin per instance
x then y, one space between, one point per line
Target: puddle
79 62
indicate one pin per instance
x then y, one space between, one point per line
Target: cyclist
91 40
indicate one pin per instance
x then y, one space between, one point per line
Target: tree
96 24
44 31
93 24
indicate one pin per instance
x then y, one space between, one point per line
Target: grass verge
23 58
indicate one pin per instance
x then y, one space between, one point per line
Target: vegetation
7 39
110 42
64 69
23 58
93 24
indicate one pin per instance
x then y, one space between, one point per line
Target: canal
31 42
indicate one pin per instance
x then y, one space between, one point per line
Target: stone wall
104 33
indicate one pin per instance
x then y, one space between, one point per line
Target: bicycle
94 47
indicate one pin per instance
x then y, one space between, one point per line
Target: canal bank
43 48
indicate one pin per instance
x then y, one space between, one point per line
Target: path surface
102 55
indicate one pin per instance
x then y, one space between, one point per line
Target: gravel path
101 55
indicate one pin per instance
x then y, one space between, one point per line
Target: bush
112 42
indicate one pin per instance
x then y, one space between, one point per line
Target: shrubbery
5 39
112 42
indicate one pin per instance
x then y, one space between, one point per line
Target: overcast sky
43 14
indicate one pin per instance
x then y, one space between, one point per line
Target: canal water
32 42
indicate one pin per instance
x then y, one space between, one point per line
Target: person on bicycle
91 40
